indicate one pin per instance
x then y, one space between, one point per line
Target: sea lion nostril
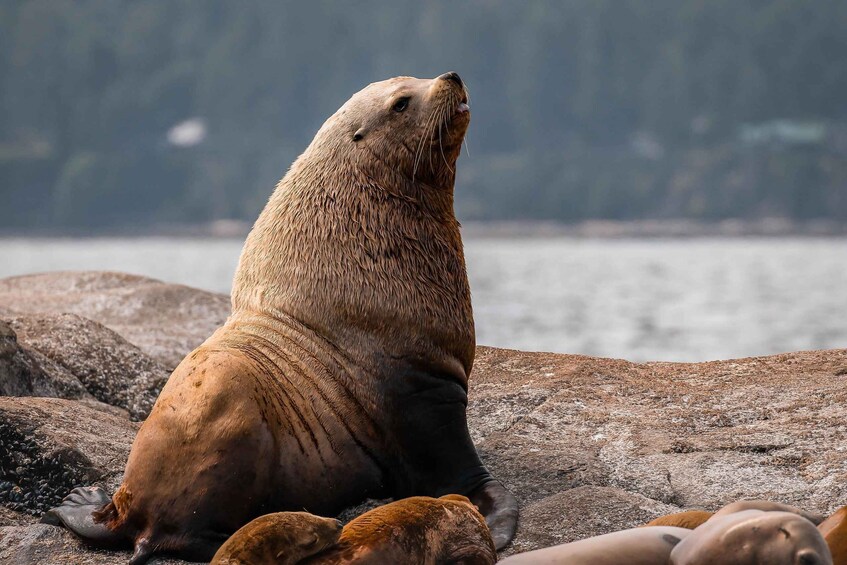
808 558
452 76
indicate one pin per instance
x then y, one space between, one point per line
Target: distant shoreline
588 229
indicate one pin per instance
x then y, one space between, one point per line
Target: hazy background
595 123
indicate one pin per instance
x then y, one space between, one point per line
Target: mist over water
647 299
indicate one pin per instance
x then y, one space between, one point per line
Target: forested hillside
121 113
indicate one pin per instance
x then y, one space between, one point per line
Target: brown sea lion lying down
281 538
688 519
342 373
419 531
834 531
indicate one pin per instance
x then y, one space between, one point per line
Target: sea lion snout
809 557
453 76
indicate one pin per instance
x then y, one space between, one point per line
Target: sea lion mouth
462 110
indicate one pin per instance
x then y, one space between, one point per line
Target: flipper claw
76 514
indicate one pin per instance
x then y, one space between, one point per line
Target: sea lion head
360 242
414 127
278 538
753 537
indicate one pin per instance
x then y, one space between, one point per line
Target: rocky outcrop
682 435
163 320
20 374
588 445
40 544
49 446
104 364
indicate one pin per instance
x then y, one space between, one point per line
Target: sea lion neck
369 170
361 256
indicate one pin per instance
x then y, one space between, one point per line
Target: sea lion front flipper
76 513
500 508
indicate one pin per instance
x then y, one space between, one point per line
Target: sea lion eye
401 104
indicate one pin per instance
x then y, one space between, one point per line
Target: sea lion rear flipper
76 513
500 508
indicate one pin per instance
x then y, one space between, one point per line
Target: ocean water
637 299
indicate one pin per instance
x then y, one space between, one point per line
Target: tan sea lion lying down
753 537
735 535
833 529
342 373
637 546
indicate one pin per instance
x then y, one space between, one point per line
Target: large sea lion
342 372
281 538
753 537
419 530
639 546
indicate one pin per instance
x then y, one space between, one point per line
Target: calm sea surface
673 300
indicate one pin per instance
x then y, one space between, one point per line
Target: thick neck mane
362 255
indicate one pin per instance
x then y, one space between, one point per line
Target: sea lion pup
753 537
768 506
638 546
693 518
342 372
834 532
688 519
281 538
419 530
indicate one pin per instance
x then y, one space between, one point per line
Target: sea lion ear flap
360 133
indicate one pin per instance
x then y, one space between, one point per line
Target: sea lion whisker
441 149
431 136
447 112
438 127
424 135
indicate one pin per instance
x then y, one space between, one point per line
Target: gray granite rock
164 320
19 372
49 446
109 368
40 544
588 445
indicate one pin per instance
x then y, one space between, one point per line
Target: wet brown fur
834 531
419 530
689 519
281 538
